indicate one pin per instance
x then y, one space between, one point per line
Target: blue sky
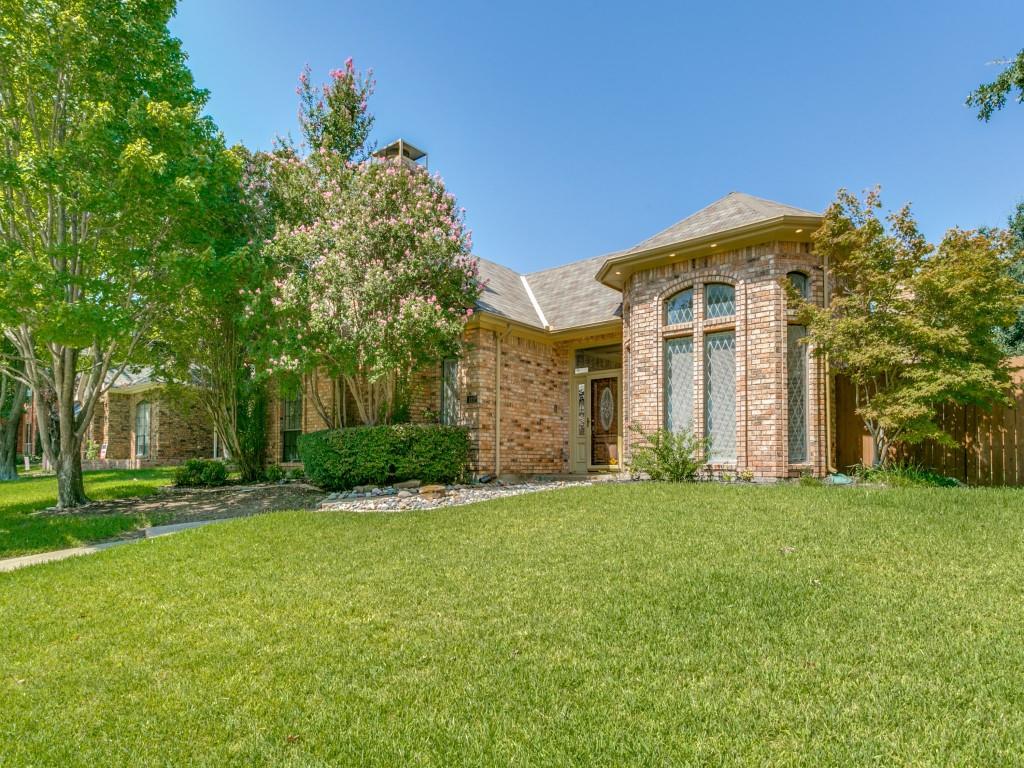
568 129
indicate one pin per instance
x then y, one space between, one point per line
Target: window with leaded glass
719 300
801 282
142 429
450 391
720 395
291 427
679 384
796 386
679 307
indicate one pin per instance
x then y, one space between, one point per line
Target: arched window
142 430
679 307
719 300
801 282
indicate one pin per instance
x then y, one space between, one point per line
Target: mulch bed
182 505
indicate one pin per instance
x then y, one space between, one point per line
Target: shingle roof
505 295
737 209
570 296
134 377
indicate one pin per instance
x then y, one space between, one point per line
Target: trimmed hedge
339 459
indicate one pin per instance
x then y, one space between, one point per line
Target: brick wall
759 323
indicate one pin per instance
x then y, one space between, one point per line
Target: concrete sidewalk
14 563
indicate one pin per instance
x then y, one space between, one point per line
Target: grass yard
21 533
613 625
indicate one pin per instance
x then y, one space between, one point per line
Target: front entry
596 428
604 421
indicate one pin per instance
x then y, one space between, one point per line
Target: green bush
197 473
673 456
275 473
344 458
904 476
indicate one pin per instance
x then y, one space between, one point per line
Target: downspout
830 466
498 339
497 404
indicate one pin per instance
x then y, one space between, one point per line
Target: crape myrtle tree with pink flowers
379 278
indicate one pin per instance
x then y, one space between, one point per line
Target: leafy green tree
991 97
214 341
909 323
103 157
1012 337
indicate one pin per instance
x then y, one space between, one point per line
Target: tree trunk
70 487
68 462
9 450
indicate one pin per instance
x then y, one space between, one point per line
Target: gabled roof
552 299
734 211
735 220
505 295
570 296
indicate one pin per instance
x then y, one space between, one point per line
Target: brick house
688 328
135 425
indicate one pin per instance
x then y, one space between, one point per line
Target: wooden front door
604 421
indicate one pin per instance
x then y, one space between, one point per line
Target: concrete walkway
14 563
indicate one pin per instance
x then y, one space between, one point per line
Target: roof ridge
533 300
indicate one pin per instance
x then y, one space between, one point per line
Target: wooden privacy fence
990 443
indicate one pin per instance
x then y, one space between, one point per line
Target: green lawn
21 533
613 625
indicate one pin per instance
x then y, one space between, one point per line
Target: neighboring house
688 328
134 425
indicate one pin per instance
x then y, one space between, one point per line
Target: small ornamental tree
378 277
384 283
910 324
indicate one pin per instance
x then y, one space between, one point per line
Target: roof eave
616 270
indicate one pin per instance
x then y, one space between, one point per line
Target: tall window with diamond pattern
796 385
679 384
720 394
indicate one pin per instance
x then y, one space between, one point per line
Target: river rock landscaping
412 495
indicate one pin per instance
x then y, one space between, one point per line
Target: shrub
196 473
904 475
275 473
674 456
296 473
343 458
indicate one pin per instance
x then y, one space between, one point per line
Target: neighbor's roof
135 379
734 211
